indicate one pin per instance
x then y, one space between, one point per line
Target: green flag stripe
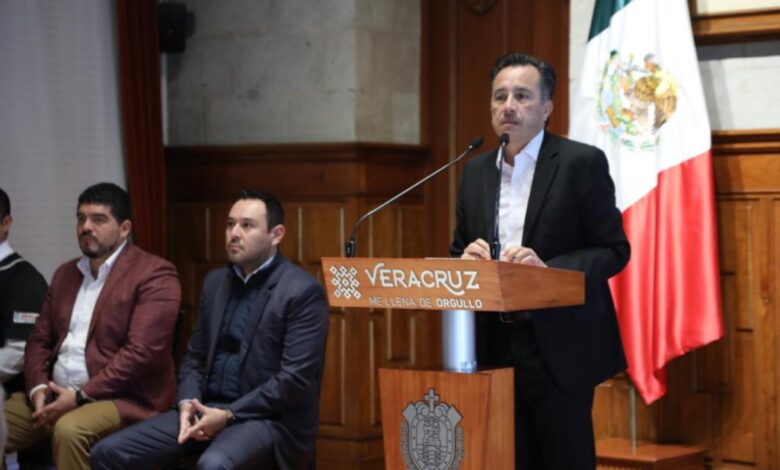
602 13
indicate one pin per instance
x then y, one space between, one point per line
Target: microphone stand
351 246
495 247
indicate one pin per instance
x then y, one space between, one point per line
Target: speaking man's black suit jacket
281 363
572 223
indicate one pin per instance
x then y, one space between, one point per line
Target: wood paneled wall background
723 396
461 41
325 188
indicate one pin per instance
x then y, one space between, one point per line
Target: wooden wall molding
300 170
736 27
745 142
314 151
746 161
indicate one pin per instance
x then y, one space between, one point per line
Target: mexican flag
640 99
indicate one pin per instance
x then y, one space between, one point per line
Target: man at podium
555 204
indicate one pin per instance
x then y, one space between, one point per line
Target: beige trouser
73 434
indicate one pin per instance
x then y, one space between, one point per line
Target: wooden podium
441 419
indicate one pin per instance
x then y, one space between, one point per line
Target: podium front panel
448 284
438 420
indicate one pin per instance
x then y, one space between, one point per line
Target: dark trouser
553 428
152 444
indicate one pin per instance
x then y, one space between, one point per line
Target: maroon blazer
128 351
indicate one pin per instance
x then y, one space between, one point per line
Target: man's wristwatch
231 418
82 398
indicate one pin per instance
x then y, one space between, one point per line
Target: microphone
351 246
495 247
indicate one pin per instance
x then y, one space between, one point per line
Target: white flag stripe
686 134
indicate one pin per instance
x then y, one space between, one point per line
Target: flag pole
632 412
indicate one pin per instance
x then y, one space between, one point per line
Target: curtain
141 112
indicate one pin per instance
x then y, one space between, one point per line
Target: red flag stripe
668 297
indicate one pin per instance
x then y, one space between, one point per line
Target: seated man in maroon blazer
99 357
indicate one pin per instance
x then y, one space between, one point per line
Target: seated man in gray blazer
249 384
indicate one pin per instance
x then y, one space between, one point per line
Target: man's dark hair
5 204
273 207
516 59
111 196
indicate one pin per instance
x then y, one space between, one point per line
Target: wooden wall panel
334 378
460 46
508 26
480 40
724 395
611 405
338 183
738 218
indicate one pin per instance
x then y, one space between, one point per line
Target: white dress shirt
515 191
70 370
5 249
246 279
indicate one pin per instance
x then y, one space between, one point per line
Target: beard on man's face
90 246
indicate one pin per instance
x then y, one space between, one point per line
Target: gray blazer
282 356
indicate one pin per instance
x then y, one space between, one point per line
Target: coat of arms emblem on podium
431 438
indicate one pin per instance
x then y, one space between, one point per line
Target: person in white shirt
22 289
99 357
556 208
